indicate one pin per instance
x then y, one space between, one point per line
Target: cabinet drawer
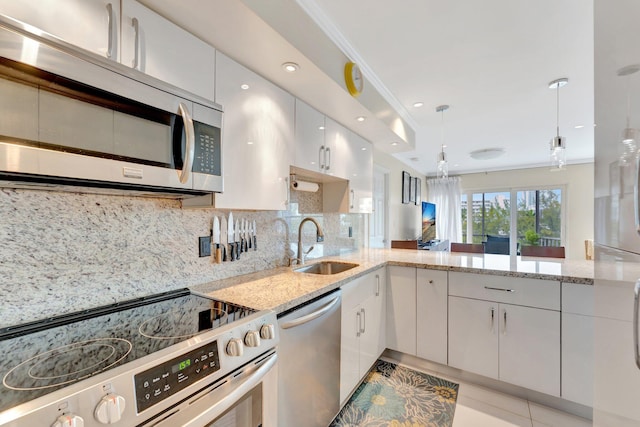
512 290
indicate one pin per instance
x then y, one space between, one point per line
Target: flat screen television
428 221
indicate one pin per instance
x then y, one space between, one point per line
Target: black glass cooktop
44 356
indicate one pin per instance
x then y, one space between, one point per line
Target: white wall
404 219
577 180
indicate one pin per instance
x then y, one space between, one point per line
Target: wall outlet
204 246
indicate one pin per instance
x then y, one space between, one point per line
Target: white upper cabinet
157 47
93 25
337 153
257 138
309 137
361 179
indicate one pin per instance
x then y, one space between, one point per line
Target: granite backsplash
63 252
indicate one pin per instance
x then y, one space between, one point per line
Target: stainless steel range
171 359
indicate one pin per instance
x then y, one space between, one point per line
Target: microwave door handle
636 297
112 28
190 150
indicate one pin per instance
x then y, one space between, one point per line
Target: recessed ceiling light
290 67
487 153
364 148
418 104
394 143
249 142
579 126
320 127
361 118
244 86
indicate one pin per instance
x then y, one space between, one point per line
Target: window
537 217
490 214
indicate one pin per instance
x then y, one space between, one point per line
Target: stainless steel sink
326 267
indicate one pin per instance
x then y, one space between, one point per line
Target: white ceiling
491 61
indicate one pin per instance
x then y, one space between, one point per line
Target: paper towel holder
307 186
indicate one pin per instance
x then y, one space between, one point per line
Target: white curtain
445 193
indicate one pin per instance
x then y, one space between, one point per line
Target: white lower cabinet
362 331
516 344
401 309
577 343
431 311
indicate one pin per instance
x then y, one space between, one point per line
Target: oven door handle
206 408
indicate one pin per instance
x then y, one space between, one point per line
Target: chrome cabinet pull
499 289
321 157
353 198
191 146
504 331
364 320
377 285
359 320
327 153
136 43
493 312
636 297
111 23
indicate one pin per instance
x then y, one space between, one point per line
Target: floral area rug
395 396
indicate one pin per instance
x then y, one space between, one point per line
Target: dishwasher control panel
162 381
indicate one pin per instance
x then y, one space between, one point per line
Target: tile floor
482 407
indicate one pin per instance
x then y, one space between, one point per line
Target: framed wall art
406 187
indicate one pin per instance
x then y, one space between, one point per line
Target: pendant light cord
558 110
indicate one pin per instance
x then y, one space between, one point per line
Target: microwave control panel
207 149
162 381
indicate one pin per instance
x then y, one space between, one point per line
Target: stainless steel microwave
71 119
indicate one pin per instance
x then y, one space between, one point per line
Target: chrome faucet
319 238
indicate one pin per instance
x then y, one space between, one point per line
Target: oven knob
235 347
252 339
110 409
267 332
69 420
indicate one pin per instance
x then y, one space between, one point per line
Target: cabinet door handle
364 320
635 322
431 281
504 331
377 285
112 24
321 157
359 322
327 154
136 43
499 289
636 195
287 192
493 312
353 198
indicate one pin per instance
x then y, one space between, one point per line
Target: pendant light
442 170
558 144
629 136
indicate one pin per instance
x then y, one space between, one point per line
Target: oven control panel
158 383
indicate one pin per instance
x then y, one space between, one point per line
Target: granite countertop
280 289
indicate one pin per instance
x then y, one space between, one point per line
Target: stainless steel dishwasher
309 363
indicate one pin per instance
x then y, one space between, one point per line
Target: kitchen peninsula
280 289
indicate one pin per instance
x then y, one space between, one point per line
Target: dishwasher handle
311 316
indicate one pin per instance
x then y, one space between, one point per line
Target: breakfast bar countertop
282 288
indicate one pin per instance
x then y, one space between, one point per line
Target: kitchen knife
254 231
245 233
249 236
215 252
237 239
223 238
230 239
241 234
